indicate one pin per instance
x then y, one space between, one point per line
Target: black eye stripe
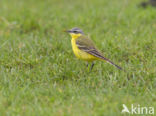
75 31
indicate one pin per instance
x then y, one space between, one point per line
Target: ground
40 76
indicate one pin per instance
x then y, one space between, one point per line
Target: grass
39 75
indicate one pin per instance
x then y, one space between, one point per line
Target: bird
84 48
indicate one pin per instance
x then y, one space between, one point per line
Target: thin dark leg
92 66
87 65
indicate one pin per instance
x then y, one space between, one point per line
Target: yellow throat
75 36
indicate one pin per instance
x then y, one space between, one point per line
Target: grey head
75 30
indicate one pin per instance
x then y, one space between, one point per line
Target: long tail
97 54
111 62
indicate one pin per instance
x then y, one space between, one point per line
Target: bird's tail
103 58
97 54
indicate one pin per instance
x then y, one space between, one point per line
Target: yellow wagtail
85 49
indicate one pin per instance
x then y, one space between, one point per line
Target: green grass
39 75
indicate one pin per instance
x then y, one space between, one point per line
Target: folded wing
86 45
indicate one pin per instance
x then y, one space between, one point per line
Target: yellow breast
81 54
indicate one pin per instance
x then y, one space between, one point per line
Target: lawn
40 76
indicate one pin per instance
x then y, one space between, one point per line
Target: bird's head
75 32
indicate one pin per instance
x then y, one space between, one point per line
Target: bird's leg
92 66
87 64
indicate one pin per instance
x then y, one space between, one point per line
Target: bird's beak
68 31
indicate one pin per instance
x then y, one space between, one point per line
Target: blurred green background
40 76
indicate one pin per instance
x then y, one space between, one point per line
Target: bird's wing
86 45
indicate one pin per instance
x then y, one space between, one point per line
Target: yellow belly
81 54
